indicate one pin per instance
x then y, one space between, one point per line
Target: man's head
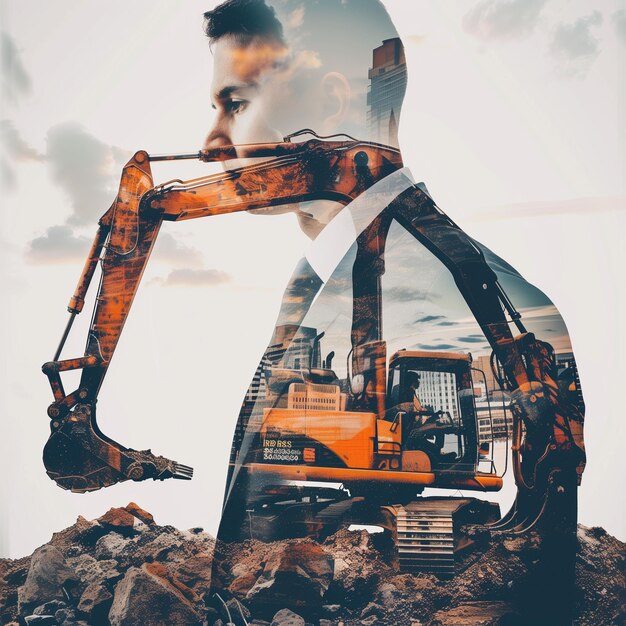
294 65
413 380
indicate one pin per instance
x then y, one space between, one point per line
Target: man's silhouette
308 69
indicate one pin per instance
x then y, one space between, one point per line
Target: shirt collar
331 245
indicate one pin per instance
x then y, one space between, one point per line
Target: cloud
14 148
295 19
447 323
168 249
619 24
472 339
503 19
16 82
88 171
86 168
429 318
407 294
575 45
195 278
59 244
14 144
436 346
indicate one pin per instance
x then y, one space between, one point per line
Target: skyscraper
386 89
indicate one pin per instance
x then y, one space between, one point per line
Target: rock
47 576
142 597
90 570
489 576
49 608
136 511
119 520
248 557
40 620
368 621
372 609
239 614
95 602
600 577
474 614
165 546
111 546
163 572
331 609
154 544
195 572
388 595
285 617
296 576
358 567
78 536
12 576
242 585
63 615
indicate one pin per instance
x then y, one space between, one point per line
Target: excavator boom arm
78 456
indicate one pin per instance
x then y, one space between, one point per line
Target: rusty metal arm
78 456
311 170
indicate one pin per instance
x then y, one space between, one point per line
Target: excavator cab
430 396
316 427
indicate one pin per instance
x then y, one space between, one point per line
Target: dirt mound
125 569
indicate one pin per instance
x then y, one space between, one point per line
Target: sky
513 118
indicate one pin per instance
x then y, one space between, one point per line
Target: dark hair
413 378
244 19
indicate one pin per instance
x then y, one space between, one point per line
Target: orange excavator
373 432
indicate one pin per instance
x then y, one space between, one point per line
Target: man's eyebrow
225 92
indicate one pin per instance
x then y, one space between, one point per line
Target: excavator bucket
80 458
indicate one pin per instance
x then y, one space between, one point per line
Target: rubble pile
123 569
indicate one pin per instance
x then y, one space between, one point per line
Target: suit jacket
422 309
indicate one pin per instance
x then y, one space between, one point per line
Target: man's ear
336 102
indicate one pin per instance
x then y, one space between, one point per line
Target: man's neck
313 217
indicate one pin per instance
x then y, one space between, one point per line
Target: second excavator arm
548 448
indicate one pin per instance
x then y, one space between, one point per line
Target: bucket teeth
80 458
183 472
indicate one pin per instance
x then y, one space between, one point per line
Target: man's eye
236 106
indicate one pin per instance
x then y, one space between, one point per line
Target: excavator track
425 540
430 535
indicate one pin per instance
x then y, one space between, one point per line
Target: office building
388 78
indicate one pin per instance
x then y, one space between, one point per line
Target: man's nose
219 135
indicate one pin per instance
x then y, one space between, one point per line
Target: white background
517 130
